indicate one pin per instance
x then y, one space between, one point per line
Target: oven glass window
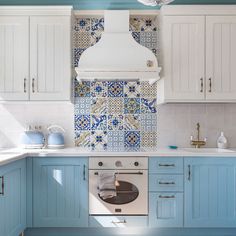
126 193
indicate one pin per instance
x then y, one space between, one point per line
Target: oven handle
125 173
119 222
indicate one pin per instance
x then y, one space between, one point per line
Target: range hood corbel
117 55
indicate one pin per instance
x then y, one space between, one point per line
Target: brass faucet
198 143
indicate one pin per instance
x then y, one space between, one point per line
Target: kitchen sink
208 150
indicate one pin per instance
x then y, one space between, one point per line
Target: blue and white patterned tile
115 105
82 122
82 105
82 24
98 122
148 24
148 39
99 106
132 89
135 24
98 140
97 24
81 39
136 36
77 54
132 139
95 36
149 139
115 122
115 140
149 122
116 89
82 89
132 122
82 139
99 89
148 105
148 90
132 105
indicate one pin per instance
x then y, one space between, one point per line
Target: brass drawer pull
166 183
167 165
171 196
2 178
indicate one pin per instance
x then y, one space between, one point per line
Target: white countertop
10 155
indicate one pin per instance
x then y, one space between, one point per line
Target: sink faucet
198 143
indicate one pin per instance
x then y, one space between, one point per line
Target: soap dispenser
222 142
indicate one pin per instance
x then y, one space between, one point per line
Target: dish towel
106 185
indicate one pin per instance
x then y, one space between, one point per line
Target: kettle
55 137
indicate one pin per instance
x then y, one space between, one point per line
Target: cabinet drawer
166 183
118 221
166 165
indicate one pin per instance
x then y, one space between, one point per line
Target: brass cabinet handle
119 222
33 85
201 90
25 85
166 196
189 172
210 85
167 165
166 183
2 179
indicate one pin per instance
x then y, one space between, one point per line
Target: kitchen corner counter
10 155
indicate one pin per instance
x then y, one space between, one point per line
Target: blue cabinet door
210 192
13 198
60 192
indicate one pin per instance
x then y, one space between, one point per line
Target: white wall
176 123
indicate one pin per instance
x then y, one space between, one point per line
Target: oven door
132 194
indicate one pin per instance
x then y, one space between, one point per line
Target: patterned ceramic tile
136 36
115 105
82 138
149 139
98 140
132 122
148 90
95 37
116 89
82 89
99 89
148 39
148 24
82 122
131 105
132 89
115 140
148 105
77 53
82 24
149 122
115 122
99 106
81 39
97 24
132 139
98 122
135 24
82 105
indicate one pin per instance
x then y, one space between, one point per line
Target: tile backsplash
114 115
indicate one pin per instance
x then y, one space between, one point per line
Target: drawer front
118 221
166 183
166 209
166 165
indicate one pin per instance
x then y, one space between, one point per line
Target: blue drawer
166 165
166 183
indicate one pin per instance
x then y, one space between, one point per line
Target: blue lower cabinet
13 198
165 209
60 192
118 221
210 192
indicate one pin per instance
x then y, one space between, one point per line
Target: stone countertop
10 155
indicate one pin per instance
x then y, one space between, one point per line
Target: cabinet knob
100 163
118 164
136 163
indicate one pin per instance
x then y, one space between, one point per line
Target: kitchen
117 117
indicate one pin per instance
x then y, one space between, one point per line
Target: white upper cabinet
183 41
50 57
14 58
221 58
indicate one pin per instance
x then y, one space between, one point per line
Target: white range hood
117 55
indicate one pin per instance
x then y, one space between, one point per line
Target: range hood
117 55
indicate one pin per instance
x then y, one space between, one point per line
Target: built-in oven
131 177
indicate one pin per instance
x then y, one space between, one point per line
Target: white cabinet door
221 58
50 57
184 57
14 57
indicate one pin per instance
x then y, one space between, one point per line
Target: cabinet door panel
210 192
184 59
220 58
50 57
14 58
60 193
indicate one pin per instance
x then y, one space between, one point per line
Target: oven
131 178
